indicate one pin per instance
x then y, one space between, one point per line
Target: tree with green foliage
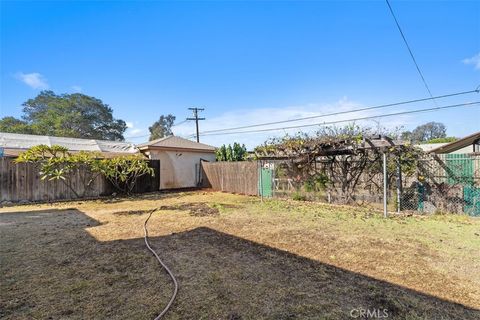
425 132
66 115
162 127
228 153
239 152
442 140
14 125
221 153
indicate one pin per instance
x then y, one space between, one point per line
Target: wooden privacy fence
236 177
22 183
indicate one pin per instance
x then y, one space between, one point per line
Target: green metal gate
265 187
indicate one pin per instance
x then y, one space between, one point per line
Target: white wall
430 146
467 149
179 169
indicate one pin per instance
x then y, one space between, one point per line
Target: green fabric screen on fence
459 169
471 196
265 182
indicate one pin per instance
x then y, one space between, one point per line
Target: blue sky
245 62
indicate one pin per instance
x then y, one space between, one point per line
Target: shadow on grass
53 268
157 195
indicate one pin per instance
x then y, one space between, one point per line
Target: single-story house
468 144
12 144
179 160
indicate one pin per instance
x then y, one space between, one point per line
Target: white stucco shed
179 160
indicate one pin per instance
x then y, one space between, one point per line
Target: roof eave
456 145
162 148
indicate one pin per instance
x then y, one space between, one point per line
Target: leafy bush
441 140
57 163
298 196
124 171
318 182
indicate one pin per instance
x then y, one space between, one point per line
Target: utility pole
196 118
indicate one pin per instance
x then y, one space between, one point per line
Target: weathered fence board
22 182
148 183
236 177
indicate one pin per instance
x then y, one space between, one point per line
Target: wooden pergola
311 150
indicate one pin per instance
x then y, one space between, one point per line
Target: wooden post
385 178
260 187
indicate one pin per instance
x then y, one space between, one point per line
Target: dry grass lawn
235 258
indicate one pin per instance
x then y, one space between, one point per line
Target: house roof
14 143
427 147
456 145
174 142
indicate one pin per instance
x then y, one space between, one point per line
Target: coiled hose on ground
163 265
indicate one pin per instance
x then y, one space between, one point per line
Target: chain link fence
444 183
436 183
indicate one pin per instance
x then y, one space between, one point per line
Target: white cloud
133 133
136 130
475 61
76 88
261 115
34 80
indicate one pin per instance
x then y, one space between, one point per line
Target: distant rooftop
14 143
174 142
427 147
474 138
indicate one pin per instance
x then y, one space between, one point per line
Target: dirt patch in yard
194 209
131 212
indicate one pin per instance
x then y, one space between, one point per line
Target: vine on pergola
346 156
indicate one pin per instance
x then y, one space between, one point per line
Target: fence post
385 178
261 181
399 184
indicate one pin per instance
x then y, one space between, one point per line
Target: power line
477 90
181 122
410 50
350 120
147 135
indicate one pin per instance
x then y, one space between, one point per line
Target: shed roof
13 143
427 147
456 145
174 142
